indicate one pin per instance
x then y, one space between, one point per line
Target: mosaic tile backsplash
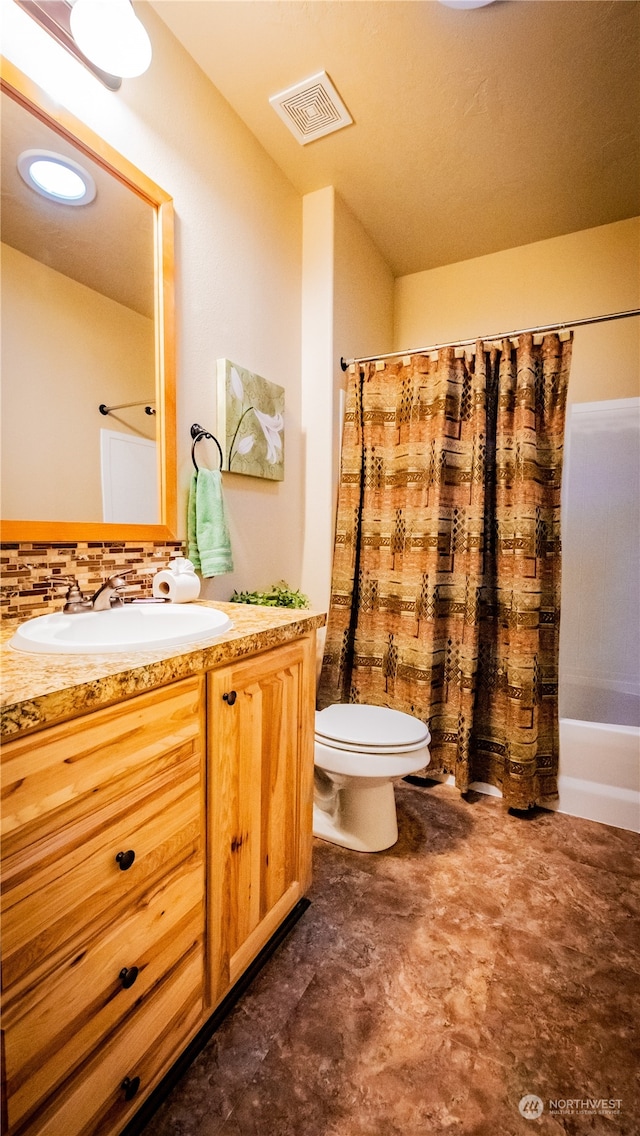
29 571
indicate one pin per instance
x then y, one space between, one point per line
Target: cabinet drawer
53 1026
92 1101
50 779
82 889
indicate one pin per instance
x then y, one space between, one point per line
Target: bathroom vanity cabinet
150 849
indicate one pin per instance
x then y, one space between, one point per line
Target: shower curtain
445 596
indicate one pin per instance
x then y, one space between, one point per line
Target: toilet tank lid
373 727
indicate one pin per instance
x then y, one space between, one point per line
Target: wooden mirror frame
17 86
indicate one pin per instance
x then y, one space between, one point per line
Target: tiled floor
429 988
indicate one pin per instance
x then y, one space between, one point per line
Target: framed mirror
88 344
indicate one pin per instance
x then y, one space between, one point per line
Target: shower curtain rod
344 363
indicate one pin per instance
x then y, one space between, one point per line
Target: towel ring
197 433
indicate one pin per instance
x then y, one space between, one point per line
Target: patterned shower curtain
445 596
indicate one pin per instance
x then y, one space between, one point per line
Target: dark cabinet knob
230 697
128 976
125 859
130 1086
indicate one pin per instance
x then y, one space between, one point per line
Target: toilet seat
369 729
353 747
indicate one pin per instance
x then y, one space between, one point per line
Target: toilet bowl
359 752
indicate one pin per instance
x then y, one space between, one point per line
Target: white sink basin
134 627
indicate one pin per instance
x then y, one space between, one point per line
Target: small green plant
278 595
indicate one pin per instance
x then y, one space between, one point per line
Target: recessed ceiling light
56 177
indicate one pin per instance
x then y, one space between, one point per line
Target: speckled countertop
41 689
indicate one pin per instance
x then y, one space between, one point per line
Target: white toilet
359 752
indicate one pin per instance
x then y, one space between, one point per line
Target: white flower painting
251 413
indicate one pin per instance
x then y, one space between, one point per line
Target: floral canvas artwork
251 422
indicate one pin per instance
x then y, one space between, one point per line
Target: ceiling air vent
312 108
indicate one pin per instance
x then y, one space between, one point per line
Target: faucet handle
75 601
62 579
112 580
116 582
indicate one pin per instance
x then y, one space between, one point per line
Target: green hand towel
208 543
192 540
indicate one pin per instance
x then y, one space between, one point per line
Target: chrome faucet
103 599
107 596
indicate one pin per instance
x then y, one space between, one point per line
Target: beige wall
238 255
65 350
347 309
363 292
318 403
583 274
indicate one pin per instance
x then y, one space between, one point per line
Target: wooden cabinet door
260 795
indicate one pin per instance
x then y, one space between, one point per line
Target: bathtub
599 766
599 663
599 773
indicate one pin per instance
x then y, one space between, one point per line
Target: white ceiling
474 131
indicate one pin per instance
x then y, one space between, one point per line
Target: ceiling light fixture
56 177
110 34
54 16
